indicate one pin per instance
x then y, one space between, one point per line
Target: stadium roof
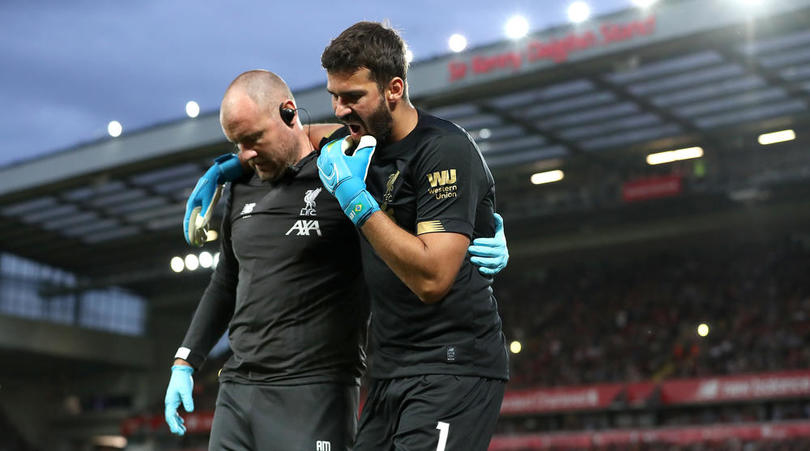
597 96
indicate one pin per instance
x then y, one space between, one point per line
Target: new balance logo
304 226
309 198
248 208
441 178
323 445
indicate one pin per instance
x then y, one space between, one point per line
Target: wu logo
323 445
248 208
441 178
309 199
302 227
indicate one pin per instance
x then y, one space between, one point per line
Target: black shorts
430 413
317 417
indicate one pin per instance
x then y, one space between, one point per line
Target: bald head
266 89
250 119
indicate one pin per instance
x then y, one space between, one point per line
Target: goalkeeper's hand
344 176
491 254
201 202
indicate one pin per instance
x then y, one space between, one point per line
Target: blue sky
68 68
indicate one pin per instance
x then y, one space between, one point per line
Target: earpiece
287 114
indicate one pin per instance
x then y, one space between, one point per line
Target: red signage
652 188
637 394
682 436
782 384
195 422
562 440
560 399
737 388
683 391
556 50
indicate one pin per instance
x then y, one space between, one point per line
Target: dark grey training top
288 286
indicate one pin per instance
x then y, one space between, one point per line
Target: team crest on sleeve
388 197
309 199
443 184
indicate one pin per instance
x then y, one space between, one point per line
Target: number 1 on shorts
443 428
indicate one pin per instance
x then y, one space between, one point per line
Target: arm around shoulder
317 132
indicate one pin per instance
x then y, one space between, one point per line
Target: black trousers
430 413
313 417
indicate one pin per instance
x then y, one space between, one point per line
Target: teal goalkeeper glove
491 254
344 176
201 202
180 386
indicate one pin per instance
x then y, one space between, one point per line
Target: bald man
287 288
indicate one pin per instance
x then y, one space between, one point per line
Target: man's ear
395 89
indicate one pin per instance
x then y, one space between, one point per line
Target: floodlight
547 177
206 259
777 137
516 27
176 264
110 441
674 155
457 43
192 262
192 109
579 12
114 128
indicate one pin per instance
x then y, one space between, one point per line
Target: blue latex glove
180 386
201 202
344 176
490 254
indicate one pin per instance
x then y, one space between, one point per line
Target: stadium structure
656 296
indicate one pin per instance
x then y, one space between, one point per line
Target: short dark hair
372 45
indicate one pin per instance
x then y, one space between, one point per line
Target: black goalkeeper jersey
434 180
288 287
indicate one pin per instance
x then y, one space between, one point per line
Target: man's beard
285 164
276 175
380 123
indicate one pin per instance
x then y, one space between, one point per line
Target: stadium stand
611 350
608 321
612 269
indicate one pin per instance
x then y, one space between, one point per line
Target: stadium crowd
634 320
